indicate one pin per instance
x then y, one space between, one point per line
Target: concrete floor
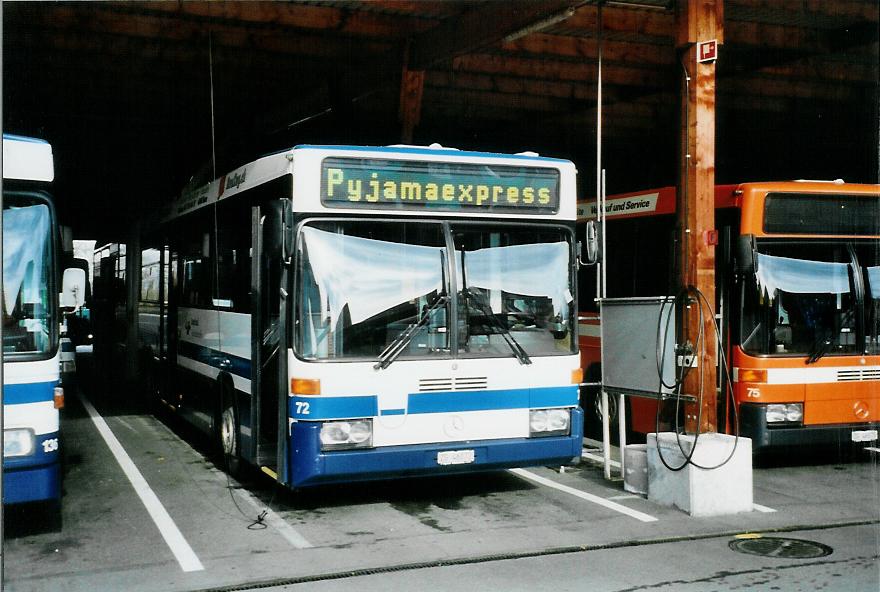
569 530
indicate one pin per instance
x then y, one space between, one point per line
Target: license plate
864 436
455 457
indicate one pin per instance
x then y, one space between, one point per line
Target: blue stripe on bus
31 392
429 151
468 401
215 358
320 407
490 400
554 396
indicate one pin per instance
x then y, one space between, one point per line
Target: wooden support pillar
412 83
700 22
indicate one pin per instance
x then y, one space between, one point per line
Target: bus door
268 326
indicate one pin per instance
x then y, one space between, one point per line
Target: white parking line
272 519
584 495
184 554
872 449
760 508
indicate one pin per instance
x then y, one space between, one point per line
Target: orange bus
797 300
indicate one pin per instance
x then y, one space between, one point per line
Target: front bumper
31 484
753 424
310 466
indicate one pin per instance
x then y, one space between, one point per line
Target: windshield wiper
819 349
515 347
396 347
823 346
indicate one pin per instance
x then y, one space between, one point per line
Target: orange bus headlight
577 376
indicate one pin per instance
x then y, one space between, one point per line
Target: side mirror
745 254
589 251
73 288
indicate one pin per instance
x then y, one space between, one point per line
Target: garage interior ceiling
123 90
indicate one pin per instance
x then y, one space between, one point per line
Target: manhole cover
780 547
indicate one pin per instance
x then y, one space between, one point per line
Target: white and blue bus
32 395
344 313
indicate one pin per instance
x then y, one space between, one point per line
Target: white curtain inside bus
800 276
539 269
369 276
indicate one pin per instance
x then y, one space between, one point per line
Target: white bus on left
32 395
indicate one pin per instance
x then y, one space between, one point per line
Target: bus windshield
366 287
514 290
27 326
812 300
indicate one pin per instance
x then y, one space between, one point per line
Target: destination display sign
406 184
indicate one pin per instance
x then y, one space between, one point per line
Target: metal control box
638 345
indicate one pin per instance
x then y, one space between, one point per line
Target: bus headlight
785 412
18 442
341 435
549 422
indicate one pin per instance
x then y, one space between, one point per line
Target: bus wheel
228 432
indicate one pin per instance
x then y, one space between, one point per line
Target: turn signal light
577 376
752 375
58 397
305 386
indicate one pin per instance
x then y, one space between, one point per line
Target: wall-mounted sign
409 184
707 51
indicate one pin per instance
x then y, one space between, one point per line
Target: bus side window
196 280
234 259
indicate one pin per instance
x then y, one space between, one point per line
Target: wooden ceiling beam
575 91
657 24
544 69
156 30
483 26
797 38
587 48
801 10
744 88
286 15
447 106
820 71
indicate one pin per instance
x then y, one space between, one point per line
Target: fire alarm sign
707 51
